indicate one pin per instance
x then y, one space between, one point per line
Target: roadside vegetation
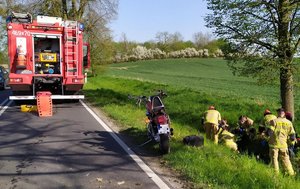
192 85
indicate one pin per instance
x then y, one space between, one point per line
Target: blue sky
140 20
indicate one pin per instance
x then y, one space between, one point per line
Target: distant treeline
125 51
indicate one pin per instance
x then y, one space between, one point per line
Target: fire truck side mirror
86 56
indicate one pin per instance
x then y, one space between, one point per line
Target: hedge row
142 53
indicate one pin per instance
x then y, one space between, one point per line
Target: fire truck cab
46 54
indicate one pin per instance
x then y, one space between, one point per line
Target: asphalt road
71 149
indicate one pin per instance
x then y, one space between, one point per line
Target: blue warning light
81 26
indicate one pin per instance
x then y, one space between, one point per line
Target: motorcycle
158 121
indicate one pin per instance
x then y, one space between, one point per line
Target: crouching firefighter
226 137
280 132
211 120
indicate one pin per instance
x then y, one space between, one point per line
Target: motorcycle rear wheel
164 143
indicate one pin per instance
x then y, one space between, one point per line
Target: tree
73 9
169 42
201 39
263 36
214 45
124 43
5 7
162 37
150 44
95 14
176 37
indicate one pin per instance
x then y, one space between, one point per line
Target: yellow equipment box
48 57
28 108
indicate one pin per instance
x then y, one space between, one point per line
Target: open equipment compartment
47 54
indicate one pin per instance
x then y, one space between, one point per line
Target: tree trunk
64 9
286 89
285 55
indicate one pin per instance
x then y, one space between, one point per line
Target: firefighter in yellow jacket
211 121
226 137
280 132
268 116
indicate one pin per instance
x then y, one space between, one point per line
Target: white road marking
161 184
4 102
2 109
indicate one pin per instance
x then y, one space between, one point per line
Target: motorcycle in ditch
158 121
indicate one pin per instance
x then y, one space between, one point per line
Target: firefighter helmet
211 108
267 111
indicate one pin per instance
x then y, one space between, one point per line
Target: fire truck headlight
9 27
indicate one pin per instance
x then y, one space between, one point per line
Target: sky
141 20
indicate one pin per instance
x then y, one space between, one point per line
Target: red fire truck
46 54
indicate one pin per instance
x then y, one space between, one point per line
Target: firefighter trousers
282 153
211 131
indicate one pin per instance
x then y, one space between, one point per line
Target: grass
192 85
208 75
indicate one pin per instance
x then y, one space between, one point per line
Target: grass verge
213 165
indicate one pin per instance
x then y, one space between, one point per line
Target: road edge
152 175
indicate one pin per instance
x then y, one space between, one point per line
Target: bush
142 53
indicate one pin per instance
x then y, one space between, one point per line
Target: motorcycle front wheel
164 143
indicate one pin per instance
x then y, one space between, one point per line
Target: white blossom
142 53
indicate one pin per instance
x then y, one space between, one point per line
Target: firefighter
291 144
245 122
226 137
280 132
243 126
268 116
212 119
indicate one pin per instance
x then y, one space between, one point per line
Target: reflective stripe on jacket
226 136
228 139
281 129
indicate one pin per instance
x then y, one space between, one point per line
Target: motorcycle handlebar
161 93
144 99
139 99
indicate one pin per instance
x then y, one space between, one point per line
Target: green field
192 85
206 75
209 76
